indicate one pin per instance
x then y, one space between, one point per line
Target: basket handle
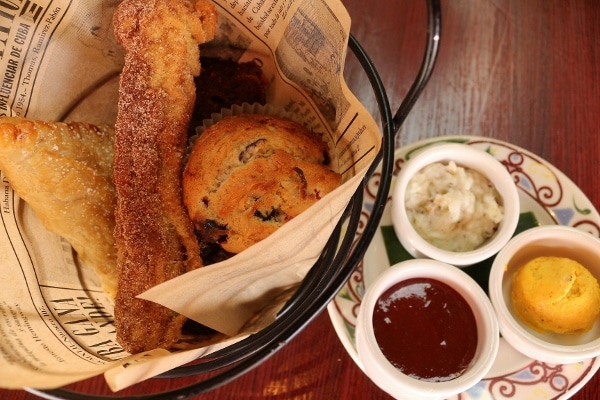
434 27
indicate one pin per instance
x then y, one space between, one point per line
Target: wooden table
523 71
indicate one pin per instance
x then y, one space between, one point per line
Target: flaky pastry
64 172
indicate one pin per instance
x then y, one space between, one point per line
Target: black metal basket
338 260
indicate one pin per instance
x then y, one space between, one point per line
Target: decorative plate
547 196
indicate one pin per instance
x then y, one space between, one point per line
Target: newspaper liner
61 62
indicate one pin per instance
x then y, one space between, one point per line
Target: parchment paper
59 61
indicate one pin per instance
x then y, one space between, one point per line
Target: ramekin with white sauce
454 203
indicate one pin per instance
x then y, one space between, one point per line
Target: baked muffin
247 175
556 294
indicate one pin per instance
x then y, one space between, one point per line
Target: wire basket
339 258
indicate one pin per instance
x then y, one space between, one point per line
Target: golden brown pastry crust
154 235
64 172
247 175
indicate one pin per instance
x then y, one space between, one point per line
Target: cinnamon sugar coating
154 235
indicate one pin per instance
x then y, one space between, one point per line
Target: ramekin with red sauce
426 330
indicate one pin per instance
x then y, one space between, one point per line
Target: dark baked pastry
224 83
247 175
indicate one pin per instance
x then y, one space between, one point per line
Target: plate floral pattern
552 198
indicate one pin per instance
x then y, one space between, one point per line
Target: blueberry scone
247 175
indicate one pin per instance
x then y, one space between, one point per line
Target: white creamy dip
452 207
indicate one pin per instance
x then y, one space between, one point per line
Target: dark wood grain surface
523 71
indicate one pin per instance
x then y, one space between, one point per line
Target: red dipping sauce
426 329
